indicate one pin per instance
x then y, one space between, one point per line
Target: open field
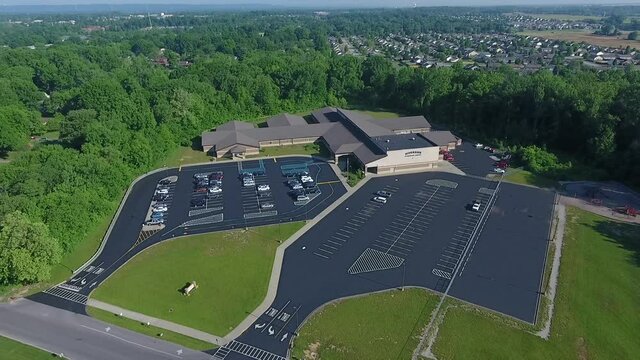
559 16
184 155
378 326
18 351
232 269
521 176
376 113
595 305
153 331
585 36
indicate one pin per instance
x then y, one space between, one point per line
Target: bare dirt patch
311 353
588 37
581 348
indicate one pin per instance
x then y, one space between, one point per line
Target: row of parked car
159 206
263 190
204 185
302 186
381 196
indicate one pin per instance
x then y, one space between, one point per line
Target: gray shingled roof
350 132
224 139
286 120
326 114
365 124
235 125
404 123
440 138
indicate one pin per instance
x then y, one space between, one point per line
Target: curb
115 217
279 259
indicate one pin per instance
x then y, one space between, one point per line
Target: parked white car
215 190
475 206
162 191
380 199
479 146
160 208
266 206
264 187
306 179
499 171
297 187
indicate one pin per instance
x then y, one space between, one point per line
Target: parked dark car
198 202
164 182
295 193
159 197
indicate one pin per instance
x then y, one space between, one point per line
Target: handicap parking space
243 206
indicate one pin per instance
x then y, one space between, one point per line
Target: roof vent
412 138
387 140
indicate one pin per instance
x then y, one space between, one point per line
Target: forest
119 114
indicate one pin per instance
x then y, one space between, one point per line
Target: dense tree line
119 114
592 116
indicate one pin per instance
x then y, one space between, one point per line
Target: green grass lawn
596 314
521 176
184 155
232 270
376 113
14 350
153 331
379 326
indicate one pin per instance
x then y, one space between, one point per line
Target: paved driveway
418 238
81 337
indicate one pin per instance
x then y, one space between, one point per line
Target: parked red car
502 164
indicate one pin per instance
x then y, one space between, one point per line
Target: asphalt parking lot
236 206
416 239
472 161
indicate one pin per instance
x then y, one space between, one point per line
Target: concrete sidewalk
275 271
167 325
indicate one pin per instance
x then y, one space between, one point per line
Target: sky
326 3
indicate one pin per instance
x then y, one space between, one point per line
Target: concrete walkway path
275 272
164 324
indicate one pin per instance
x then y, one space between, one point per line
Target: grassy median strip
153 331
14 350
521 176
232 270
378 326
596 305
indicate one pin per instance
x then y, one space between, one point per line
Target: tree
27 250
74 127
633 35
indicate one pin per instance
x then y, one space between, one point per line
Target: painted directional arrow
284 337
271 331
93 284
107 329
260 326
179 352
